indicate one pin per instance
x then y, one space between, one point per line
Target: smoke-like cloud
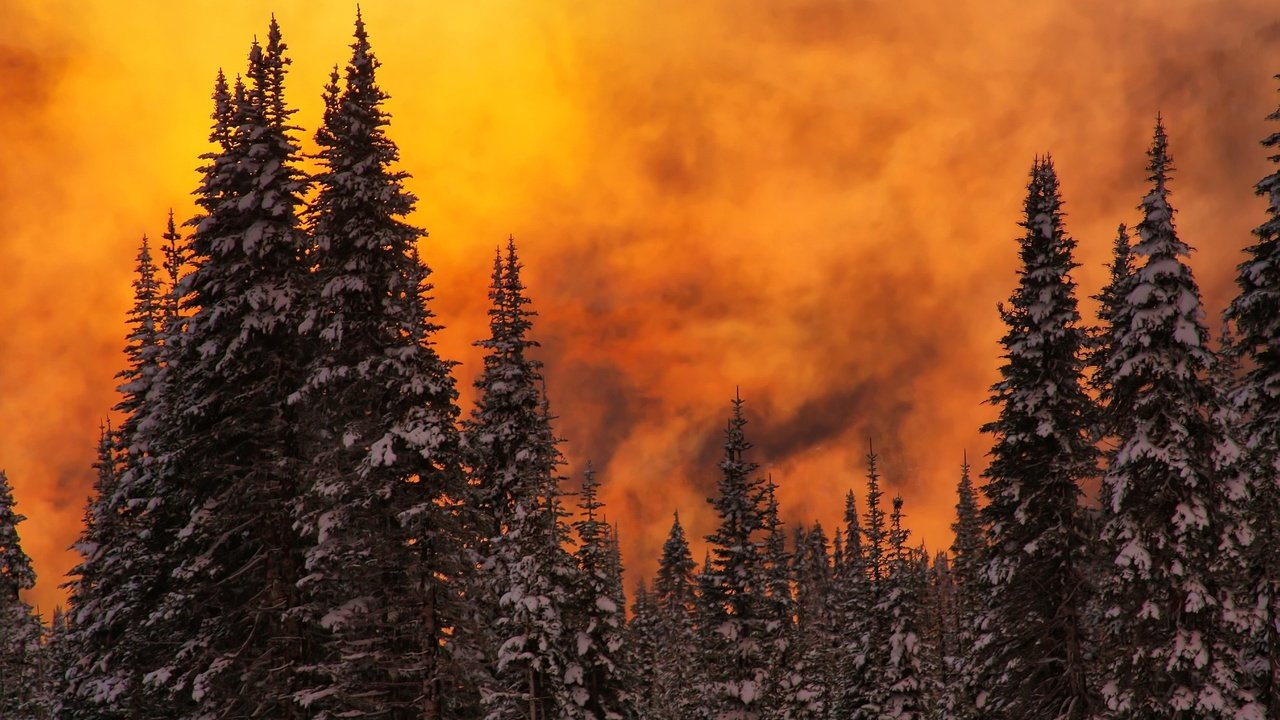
814 201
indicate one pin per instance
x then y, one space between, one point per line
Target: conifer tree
1034 641
900 692
230 452
518 517
966 569
597 618
851 608
109 592
643 633
675 603
385 564
20 630
813 677
1163 530
1255 312
732 623
777 610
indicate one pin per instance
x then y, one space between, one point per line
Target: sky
811 202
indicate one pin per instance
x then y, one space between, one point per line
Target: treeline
295 519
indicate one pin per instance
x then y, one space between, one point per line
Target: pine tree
732 623
966 567
777 610
1255 312
900 691
384 565
518 520
1033 642
1164 522
851 608
108 594
20 630
812 675
675 599
230 454
942 631
596 617
643 633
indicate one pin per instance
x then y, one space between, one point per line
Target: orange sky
814 200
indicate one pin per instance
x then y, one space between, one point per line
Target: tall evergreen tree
813 673
1164 522
384 566
675 603
1255 312
642 652
518 522
20 630
1034 640
966 568
597 618
732 623
899 692
777 610
230 452
851 607
109 592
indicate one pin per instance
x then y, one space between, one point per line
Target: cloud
814 201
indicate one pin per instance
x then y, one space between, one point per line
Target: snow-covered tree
596 617
525 574
1164 523
961 663
642 652
385 559
899 692
108 593
676 669
812 675
230 453
777 610
852 609
732 625
1033 642
1255 313
20 629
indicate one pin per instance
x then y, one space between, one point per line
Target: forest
294 518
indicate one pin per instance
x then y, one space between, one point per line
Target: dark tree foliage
1034 640
1164 524
1255 313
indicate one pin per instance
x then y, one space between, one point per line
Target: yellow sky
812 200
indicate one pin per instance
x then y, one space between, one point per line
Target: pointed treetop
1160 165
15 567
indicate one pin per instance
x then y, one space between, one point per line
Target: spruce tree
1162 594
525 573
732 624
1034 642
966 567
899 692
777 610
109 590
20 630
1255 313
643 632
384 564
812 676
676 651
597 618
851 608
230 451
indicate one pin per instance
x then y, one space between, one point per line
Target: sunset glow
814 201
